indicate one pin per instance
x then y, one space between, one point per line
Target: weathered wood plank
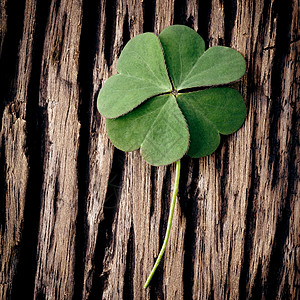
58 100
100 154
13 157
248 198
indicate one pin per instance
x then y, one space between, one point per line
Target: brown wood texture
80 219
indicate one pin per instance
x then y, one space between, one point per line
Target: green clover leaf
157 126
152 103
142 75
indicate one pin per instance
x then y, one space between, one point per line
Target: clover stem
172 207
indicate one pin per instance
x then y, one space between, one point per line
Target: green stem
163 248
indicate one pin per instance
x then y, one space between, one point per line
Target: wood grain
13 157
92 219
59 100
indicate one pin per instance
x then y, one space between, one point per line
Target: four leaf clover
164 99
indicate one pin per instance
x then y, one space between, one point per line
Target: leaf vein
154 122
147 65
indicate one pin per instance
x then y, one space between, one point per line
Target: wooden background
80 219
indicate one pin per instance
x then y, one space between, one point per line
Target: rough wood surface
80 219
59 101
14 163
